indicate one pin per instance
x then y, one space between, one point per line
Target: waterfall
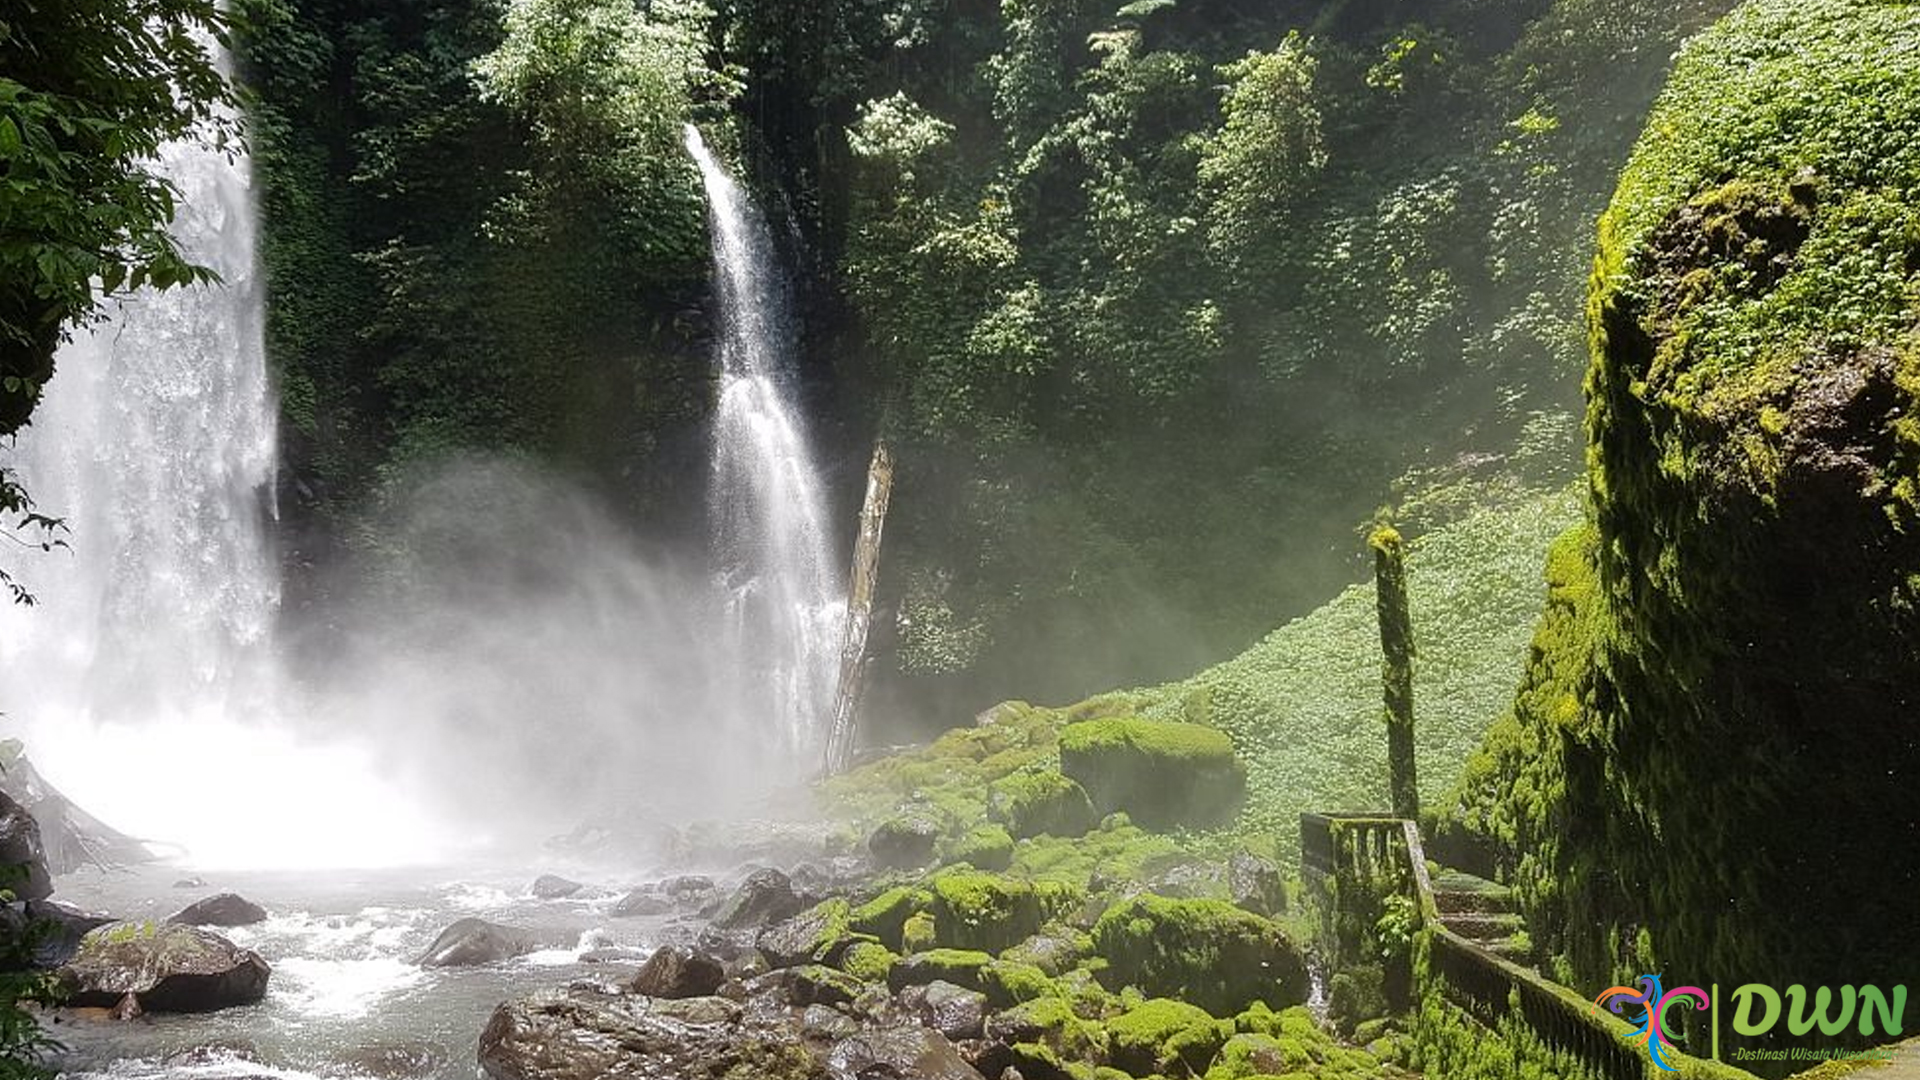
145 681
783 596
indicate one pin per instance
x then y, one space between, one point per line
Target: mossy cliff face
1725 709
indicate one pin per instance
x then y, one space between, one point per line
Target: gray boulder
916 1052
764 898
675 971
953 1011
471 942
584 1034
1256 885
21 854
222 909
553 887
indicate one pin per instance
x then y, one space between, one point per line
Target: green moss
1162 773
1721 642
1207 952
868 961
885 916
974 910
961 967
1122 853
988 847
1008 982
1041 802
1062 1029
1055 950
1162 1035
919 933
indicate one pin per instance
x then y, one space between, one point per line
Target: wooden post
860 588
1396 642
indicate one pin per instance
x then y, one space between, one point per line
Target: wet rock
675 971
1185 878
1055 950
21 853
904 843
810 984
584 1035
810 879
553 887
764 898
166 968
398 1061
640 902
817 935
823 1023
221 909
687 888
53 929
1256 885
470 942
916 1052
953 1011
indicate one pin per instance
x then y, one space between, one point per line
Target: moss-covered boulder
166 968
961 967
1161 773
1041 802
988 847
868 961
974 910
1052 1022
906 841
818 935
1165 1037
884 916
1206 952
1721 700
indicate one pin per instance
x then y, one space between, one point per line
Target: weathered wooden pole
1396 643
860 588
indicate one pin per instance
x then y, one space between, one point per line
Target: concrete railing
1364 851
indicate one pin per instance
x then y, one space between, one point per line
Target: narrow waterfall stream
783 594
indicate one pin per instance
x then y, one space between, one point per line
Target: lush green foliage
483 234
1334 220
1720 646
89 93
1048 244
1303 706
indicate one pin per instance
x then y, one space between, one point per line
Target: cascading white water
785 599
145 680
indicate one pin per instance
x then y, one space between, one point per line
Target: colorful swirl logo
1652 1005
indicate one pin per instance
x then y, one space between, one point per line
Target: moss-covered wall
1712 764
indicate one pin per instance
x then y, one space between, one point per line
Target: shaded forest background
1158 302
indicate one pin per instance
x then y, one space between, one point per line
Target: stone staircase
1483 912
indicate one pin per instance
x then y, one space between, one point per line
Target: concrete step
1455 891
1484 927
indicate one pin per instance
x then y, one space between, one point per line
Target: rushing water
346 999
145 680
784 597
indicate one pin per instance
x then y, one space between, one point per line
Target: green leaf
9 137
